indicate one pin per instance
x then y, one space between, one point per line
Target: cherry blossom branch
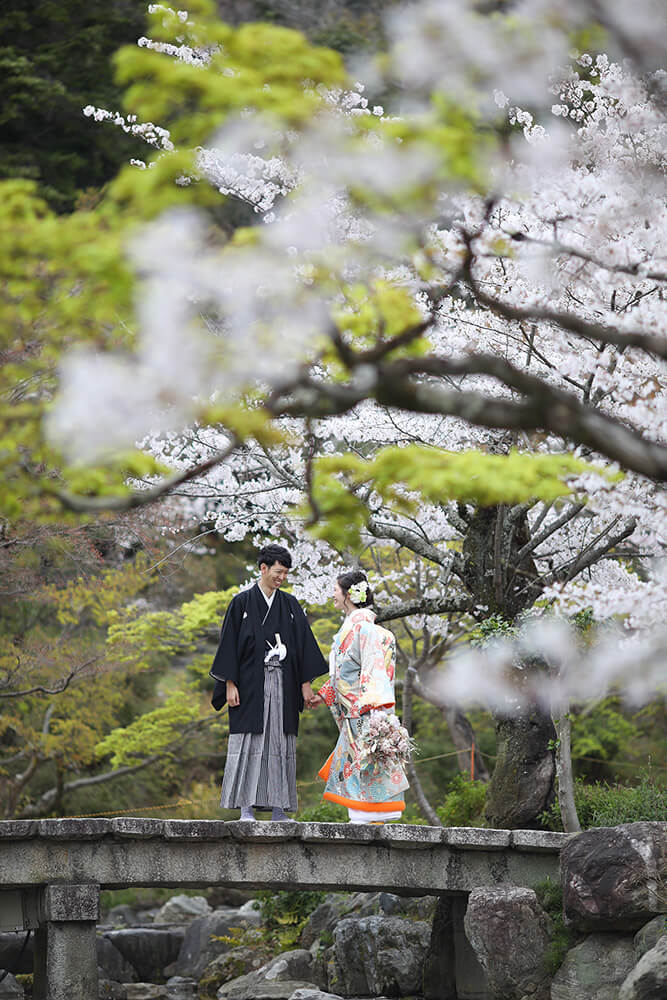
425 606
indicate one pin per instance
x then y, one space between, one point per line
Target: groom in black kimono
265 662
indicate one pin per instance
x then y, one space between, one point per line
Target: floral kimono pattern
362 664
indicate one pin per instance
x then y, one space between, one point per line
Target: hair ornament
358 591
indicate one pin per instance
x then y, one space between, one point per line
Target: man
265 662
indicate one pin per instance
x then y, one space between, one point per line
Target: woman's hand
233 699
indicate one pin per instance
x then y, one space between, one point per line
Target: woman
362 664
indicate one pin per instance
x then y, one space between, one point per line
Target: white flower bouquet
385 743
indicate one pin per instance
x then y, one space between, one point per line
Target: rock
594 969
649 935
121 916
265 991
306 994
108 990
112 963
648 979
324 918
286 972
611 876
148 949
145 991
220 896
198 949
180 988
10 989
510 934
234 963
376 955
182 910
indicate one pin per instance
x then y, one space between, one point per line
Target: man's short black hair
270 554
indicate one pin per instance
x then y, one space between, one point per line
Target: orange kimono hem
370 807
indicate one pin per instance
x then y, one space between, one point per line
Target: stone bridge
51 872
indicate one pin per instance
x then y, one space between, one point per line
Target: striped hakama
260 770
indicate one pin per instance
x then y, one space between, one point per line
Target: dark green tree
55 58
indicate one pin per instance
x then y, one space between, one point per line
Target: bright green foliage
151 638
265 68
284 914
602 733
464 803
404 476
153 732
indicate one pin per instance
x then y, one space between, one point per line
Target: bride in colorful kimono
362 664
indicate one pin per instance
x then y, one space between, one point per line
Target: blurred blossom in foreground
548 666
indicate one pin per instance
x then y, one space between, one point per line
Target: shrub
602 804
285 913
324 812
464 803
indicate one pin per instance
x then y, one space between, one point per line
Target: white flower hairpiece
358 591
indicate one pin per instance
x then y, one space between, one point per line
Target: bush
602 804
464 803
285 913
324 812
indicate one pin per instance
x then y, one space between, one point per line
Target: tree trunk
522 784
568 809
505 583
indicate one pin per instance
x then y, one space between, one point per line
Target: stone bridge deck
51 871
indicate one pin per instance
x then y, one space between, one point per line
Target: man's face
273 576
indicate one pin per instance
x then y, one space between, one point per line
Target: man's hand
307 692
232 694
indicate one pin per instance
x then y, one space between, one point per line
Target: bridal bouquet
385 743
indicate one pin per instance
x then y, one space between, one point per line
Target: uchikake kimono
362 665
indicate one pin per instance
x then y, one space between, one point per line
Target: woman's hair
270 554
347 580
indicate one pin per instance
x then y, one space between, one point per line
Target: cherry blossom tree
435 298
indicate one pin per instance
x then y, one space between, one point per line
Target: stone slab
137 826
539 840
196 829
72 829
477 839
17 829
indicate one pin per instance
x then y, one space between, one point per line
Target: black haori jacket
244 641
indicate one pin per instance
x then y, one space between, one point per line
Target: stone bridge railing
51 871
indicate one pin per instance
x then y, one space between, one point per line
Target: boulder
112 963
281 990
648 979
510 934
611 876
182 910
10 989
147 949
324 918
649 935
379 955
307 994
108 990
198 949
279 977
179 988
231 964
594 969
145 991
122 915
